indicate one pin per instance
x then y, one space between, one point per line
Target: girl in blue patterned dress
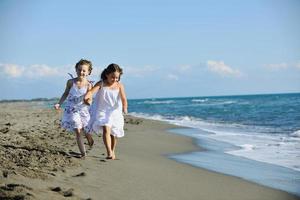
76 114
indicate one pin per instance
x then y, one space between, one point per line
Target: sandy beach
39 161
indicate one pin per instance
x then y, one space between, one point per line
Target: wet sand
39 161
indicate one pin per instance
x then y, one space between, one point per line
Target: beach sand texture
39 161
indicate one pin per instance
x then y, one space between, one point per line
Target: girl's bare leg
107 141
113 145
89 139
80 141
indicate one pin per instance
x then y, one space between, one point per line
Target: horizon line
207 96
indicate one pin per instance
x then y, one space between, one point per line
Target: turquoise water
276 113
264 127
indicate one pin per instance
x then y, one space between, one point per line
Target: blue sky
166 48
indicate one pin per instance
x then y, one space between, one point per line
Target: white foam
199 100
159 102
222 103
296 134
216 103
247 147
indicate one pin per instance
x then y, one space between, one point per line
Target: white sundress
107 111
76 113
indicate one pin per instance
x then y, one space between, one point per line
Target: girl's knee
106 130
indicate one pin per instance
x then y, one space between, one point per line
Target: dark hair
84 62
111 69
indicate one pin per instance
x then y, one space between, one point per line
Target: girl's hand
87 97
125 111
87 101
57 106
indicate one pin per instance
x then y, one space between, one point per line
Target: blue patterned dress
76 113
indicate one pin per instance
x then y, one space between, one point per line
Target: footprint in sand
55 189
4 130
15 191
5 173
80 174
67 193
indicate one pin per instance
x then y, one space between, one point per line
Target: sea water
255 137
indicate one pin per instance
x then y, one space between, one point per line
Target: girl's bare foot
82 156
113 155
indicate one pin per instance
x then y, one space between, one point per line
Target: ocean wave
147 116
211 127
200 100
159 102
254 142
296 134
213 103
224 103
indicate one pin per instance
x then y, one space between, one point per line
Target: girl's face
113 77
82 71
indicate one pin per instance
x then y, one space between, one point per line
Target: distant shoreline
27 100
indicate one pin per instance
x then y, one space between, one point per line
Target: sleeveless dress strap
71 75
91 82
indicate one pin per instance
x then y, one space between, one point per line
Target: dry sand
38 161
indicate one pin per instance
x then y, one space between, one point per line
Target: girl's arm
92 91
90 86
88 101
65 94
123 98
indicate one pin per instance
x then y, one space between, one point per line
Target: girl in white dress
76 114
108 105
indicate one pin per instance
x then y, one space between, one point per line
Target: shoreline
214 159
142 169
